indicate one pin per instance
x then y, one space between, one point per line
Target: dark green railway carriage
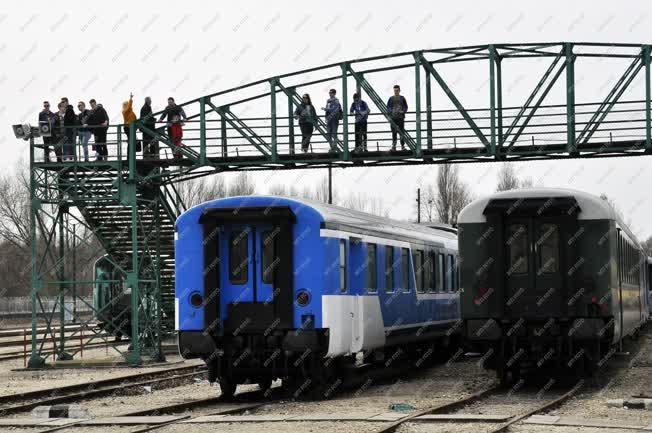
549 277
111 303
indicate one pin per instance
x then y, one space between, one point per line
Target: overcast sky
104 50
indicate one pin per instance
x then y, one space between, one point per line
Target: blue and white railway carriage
269 287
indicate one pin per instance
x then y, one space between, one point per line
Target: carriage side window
268 263
440 272
517 244
428 276
239 257
454 274
449 273
548 246
417 259
372 283
389 269
342 265
405 269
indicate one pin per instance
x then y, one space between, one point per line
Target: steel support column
291 124
35 359
202 130
272 84
417 99
345 110
648 99
492 100
570 99
133 277
429 109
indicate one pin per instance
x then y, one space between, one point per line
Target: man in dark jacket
170 111
69 123
46 116
99 121
397 107
361 111
150 145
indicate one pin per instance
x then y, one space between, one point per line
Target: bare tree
15 207
321 190
647 244
193 192
365 203
526 182
507 178
451 196
242 184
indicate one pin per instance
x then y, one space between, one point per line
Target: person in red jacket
176 134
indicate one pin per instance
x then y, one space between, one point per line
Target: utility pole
419 205
330 185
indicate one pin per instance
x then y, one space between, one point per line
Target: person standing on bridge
84 133
333 111
397 107
99 120
170 111
70 123
129 117
59 130
46 116
307 117
176 134
150 145
361 111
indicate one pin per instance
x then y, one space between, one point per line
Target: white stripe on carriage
420 324
432 296
329 233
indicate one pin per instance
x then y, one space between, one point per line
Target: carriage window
440 272
427 272
417 260
454 274
548 244
449 273
518 245
268 264
389 269
342 265
372 283
239 257
405 269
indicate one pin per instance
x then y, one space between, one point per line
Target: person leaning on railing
98 120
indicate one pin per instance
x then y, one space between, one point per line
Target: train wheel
227 388
265 385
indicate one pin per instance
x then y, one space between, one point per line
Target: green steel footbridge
499 102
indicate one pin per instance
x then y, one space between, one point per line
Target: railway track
6 356
18 331
231 408
73 338
448 408
17 403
